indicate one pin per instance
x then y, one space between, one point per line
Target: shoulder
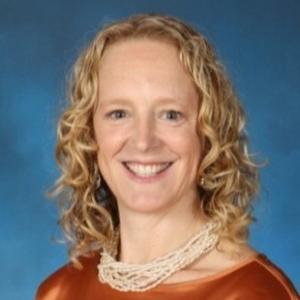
247 275
60 284
262 279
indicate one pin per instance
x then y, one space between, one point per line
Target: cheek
108 148
108 139
189 148
185 143
110 143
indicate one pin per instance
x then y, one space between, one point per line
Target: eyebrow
161 100
114 101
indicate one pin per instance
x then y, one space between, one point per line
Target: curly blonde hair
230 175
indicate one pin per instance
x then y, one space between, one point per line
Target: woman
154 157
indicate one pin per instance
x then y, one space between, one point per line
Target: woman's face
145 126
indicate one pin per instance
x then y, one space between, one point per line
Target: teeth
146 170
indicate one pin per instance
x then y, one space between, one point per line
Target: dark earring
105 198
102 191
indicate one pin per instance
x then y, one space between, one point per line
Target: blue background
258 41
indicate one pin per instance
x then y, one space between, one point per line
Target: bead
138 278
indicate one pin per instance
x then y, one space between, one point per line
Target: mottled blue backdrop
259 42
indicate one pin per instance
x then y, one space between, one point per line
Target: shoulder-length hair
230 175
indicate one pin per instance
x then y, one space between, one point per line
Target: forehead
143 66
140 49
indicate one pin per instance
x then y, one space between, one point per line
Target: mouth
148 170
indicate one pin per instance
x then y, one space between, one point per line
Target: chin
146 204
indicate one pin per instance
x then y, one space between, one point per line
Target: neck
146 236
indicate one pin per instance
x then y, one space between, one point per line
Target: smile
146 170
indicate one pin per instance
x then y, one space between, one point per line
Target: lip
149 179
145 163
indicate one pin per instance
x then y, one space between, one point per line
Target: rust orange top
254 278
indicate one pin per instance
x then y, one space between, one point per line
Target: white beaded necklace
142 277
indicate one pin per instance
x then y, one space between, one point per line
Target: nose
144 134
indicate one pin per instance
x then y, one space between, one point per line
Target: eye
116 114
172 115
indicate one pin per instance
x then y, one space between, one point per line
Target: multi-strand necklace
142 277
